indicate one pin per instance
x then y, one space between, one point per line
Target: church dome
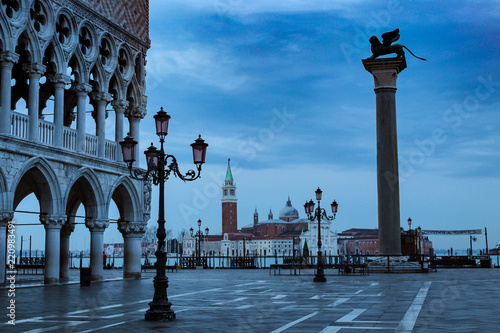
288 213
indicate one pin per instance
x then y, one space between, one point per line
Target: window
225 192
232 192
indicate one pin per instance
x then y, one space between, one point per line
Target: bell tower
229 203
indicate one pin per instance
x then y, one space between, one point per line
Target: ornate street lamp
160 165
409 223
318 214
198 235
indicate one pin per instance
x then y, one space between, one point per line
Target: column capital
96 225
119 104
67 229
7 57
101 96
6 217
135 112
59 78
52 221
34 69
385 70
132 229
82 87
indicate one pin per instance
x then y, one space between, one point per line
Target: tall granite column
132 234
60 81
385 72
97 228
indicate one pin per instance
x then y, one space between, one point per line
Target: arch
116 86
37 176
99 82
126 198
85 189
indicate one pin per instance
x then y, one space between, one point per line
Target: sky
278 87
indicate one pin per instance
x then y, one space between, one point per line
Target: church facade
282 236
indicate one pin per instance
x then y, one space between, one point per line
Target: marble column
35 72
66 231
101 100
385 72
52 226
119 106
135 114
59 81
96 228
132 234
7 61
82 91
5 218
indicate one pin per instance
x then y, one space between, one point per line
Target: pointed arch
37 176
127 199
85 189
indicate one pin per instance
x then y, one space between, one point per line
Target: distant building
284 236
365 241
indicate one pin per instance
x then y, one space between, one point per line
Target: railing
110 149
91 144
69 138
20 128
46 130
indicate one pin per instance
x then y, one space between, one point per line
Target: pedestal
385 72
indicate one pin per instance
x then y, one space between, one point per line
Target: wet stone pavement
459 300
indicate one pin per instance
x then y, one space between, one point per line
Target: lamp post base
320 277
159 311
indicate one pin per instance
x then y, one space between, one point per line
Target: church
282 236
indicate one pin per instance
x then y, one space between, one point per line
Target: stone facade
65 57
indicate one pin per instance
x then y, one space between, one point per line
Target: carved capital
119 105
96 225
52 221
132 228
101 96
385 71
59 78
6 217
34 70
67 229
136 111
8 58
82 88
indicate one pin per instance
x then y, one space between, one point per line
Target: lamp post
472 239
158 171
319 213
198 235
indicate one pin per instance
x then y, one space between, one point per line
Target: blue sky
278 86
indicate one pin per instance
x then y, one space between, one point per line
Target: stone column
52 226
82 91
96 228
134 115
66 231
119 106
5 218
101 100
132 234
35 72
385 72
59 80
7 61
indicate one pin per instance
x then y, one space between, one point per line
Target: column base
160 311
131 275
50 280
